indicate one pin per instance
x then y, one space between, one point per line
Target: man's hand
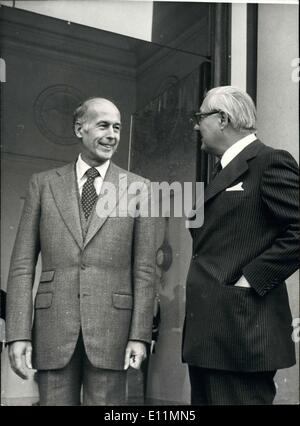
242 282
20 357
135 354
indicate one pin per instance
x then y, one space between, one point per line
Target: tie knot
92 173
217 168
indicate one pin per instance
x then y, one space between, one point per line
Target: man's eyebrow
117 123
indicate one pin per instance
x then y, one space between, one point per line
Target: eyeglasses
199 116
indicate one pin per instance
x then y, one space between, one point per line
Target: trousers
80 383
217 387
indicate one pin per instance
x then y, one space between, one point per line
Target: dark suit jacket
102 283
254 233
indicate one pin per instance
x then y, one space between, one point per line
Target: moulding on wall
101 49
65 29
67 44
69 60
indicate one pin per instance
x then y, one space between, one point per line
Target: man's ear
78 129
224 120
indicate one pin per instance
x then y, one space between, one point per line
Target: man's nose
194 124
110 132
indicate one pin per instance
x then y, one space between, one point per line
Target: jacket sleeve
22 268
280 194
143 271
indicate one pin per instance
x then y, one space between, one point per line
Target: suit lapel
64 190
113 188
237 167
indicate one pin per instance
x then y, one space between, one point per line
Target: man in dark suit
238 325
94 304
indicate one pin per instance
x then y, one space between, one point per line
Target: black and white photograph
149 205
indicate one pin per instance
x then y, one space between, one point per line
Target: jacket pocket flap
43 300
47 276
122 301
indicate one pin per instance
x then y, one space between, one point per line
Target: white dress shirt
81 169
236 148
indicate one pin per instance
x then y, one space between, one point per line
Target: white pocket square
237 187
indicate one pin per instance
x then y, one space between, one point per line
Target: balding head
87 108
97 124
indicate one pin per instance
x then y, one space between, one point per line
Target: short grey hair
236 103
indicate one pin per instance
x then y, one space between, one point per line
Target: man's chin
97 158
105 155
103 158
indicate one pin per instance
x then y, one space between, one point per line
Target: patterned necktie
89 194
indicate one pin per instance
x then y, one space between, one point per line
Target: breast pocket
47 276
46 282
230 200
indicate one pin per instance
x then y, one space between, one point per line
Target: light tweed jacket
103 283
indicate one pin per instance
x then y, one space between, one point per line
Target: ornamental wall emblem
53 112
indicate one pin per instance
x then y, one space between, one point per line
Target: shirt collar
82 167
236 148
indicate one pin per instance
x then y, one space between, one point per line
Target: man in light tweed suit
94 304
238 326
